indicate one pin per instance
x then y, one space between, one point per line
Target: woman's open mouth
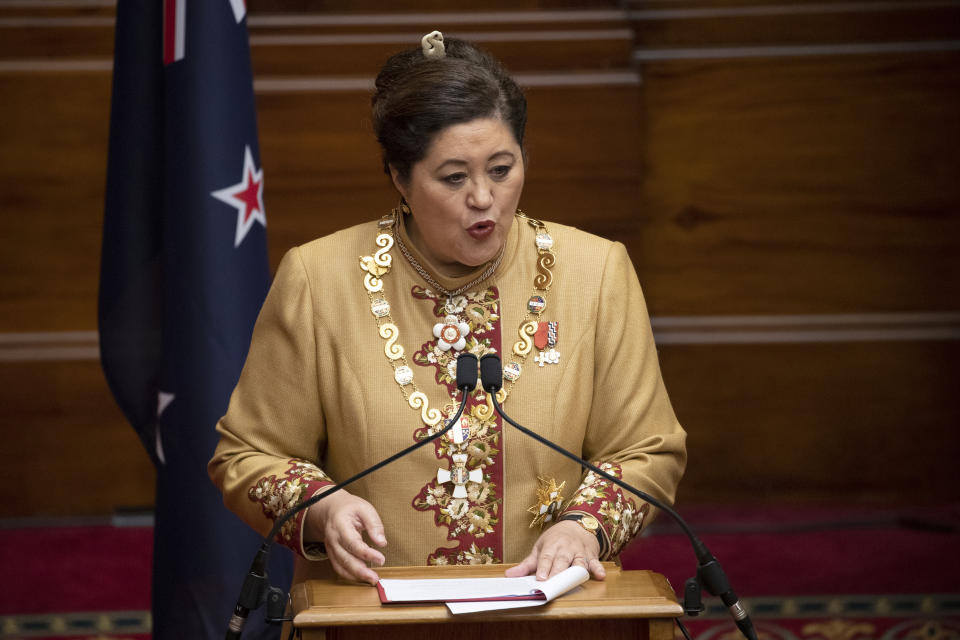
482 229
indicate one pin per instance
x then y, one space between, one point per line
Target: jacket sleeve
632 432
273 433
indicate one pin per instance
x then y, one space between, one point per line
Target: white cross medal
459 475
546 336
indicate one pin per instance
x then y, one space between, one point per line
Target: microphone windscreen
491 373
466 371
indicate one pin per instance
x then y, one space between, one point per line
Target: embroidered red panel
618 513
276 496
465 493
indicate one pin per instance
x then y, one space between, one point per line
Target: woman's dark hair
416 97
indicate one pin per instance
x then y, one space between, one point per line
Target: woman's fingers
344 521
547 561
354 544
595 567
526 566
558 549
348 565
371 523
349 555
565 545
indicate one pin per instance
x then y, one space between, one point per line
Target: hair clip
432 44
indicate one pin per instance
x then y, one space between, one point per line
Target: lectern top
624 594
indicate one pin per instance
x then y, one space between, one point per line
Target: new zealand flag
183 275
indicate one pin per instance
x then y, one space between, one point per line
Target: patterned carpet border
843 606
837 617
835 629
94 624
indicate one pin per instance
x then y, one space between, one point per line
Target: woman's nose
480 195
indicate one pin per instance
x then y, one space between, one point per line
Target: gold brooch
549 500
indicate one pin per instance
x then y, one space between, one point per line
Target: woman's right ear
397 183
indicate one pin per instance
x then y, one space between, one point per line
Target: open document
467 595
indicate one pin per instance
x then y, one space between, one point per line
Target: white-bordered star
246 197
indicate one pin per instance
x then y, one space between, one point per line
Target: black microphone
491 373
466 372
709 572
256 589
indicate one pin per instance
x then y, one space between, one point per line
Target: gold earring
404 207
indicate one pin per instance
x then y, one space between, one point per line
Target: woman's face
463 194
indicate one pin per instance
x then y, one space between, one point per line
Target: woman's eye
500 171
455 178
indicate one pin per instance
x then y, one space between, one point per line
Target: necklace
430 280
378 265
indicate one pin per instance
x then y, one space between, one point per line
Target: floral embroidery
480 312
473 555
476 515
276 496
594 487
617 512
483 447
456 304
622 520
479 316
464 322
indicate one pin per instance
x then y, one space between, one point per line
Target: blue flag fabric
184 272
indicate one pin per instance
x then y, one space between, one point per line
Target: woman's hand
563 545
339 522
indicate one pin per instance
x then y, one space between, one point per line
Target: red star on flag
246 197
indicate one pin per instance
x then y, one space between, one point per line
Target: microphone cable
256 589
709 572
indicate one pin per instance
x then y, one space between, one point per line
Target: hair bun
432 44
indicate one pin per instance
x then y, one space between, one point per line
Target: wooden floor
784 175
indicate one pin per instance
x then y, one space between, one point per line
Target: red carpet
821 574
813 551
75 569
810 574
95 580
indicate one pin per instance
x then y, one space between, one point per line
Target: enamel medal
451 333
536 304
546 338
459 433
459 475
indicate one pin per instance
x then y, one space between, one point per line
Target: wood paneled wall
798 159
784 175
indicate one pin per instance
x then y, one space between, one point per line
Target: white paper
445 589
553 588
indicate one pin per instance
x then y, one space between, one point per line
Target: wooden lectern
628 604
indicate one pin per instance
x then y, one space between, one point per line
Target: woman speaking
353 359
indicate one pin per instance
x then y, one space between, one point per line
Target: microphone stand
710 574
256 589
